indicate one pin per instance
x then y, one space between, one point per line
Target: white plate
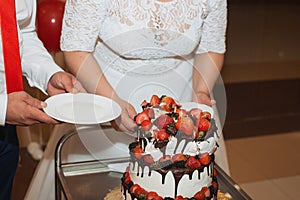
82 108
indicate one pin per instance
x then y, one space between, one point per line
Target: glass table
93 179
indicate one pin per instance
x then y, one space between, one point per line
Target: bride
128 50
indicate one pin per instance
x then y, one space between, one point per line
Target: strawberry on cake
173 155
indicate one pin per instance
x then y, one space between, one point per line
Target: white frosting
208 145
192 148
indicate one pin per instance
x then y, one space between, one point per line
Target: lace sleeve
81 24
214 28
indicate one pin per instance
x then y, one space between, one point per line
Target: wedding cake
173 155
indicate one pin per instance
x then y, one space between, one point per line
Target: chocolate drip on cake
161 145
177 173
143 142
182 137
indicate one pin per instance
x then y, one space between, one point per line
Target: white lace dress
145 47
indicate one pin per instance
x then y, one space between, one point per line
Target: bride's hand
203 98
125 121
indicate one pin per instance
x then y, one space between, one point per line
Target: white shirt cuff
3 107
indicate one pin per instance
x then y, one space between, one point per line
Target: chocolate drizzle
182 137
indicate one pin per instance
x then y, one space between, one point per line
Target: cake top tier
172 127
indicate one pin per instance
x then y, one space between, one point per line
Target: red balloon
49 22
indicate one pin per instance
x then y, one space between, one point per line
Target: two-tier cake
173 155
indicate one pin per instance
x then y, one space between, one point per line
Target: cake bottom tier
170 184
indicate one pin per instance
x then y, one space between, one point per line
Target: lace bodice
148 32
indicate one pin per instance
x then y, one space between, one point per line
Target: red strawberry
193 163
134 188
154 101
168 103
206 115
178 157
140 191
203 124
146 125
204 158
162 121
177 104
126 174
148 159
127 180
195 113
180 198
186 125
205 191
138 152
215 185
166 158
139 118
181 112
144 104
150 112
199 195
162 135
153 196
215 173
